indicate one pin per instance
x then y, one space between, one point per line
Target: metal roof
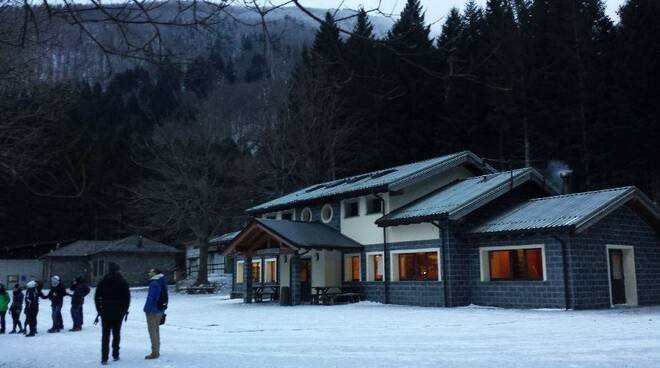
572 211
308 234
83 248
382 180
462 197
224 238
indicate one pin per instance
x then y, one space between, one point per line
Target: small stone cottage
453 231
89 258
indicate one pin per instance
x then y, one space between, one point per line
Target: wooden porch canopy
289 237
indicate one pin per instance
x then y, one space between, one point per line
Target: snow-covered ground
211 331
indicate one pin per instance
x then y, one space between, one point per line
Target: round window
306 215
326 213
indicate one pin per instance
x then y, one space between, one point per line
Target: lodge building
452 231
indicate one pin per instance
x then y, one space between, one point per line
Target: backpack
163 298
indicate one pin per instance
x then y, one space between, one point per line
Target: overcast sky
436 10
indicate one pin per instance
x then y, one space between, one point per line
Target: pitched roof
295 234
224 238
461 197
382 180
83 248
573 212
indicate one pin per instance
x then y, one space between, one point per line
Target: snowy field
211 331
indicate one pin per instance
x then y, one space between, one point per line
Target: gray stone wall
589 259
519 293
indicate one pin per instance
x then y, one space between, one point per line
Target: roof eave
545 230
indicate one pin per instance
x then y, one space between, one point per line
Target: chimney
139 241
566 177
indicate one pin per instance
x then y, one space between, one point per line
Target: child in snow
31 308
15 309
4 305
80 290
56 295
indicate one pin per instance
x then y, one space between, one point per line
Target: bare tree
189 186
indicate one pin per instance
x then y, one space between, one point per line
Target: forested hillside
175 148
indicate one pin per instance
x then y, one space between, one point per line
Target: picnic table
271 291
329 295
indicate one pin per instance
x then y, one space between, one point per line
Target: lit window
240 272
374 205
516 264
375 267
271 271
352 267
256 271
419 266
351 209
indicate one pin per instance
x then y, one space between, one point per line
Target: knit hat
113 267
32 284
55 280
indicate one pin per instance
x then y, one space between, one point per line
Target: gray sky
436 10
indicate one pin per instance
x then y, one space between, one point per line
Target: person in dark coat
31 308
112 299
56 295
16 308
80 290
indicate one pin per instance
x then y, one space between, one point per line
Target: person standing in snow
80 290
112 299
4 305
16 308
31 308
56 295
154 307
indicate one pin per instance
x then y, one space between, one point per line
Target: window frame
267 270
348 267
347 206
240 272
332 213
303 214
369 201
371 267
394 263
288 212
484 262
260 273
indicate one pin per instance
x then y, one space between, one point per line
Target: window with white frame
416 265
375 266
240 272
256 271
352 267
326 213
509 263
374 205
306 214
352 208
271 270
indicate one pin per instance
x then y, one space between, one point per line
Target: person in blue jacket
154 308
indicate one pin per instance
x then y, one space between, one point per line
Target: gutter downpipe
444 242
564 256
386 258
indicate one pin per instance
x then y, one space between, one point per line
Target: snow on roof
572 211
459 198
82 248
382 180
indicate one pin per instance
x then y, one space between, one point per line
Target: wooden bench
332 295
272 292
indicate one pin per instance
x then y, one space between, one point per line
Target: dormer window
287 215
352 209
374 205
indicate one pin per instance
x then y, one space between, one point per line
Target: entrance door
305 280
617 278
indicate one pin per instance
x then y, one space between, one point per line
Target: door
616 277
305 280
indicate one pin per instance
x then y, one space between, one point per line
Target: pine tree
410 34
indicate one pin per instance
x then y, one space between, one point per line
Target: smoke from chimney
560 176
139 241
